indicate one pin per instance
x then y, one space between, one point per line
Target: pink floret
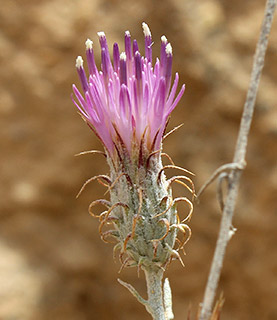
129 98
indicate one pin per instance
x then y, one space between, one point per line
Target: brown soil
53 264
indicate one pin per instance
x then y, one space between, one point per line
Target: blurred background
53 264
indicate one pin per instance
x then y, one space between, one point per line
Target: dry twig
239 157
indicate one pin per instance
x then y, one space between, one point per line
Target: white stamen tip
163 38
127 33
89 44
168 49
146 30
123 56
79 62
101 34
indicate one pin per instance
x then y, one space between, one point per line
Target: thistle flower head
127 102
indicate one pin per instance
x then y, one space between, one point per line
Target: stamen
148 42
116 57
168 68
104 45
128 45
123 70
79 62
90 57
168 49
138 67
89 44
146 30
101 34
135 47
163 53
164 39
81 73
105 62
123 56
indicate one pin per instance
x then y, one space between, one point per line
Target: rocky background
53 264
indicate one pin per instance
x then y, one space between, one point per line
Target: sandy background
53 264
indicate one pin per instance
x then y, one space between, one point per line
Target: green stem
155 304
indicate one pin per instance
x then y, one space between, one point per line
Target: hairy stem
155 304
239 157
168 300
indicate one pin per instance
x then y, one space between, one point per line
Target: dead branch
239 157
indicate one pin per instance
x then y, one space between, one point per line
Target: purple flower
127 104
129 101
